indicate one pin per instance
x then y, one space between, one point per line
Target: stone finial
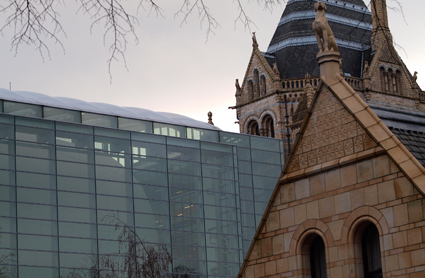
308 90
365 68
210 117
340 67
275 69
307 78
324 35
254 40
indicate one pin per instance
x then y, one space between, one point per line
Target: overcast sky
173 68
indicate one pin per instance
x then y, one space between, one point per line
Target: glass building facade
201 192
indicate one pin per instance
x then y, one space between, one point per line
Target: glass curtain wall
59 182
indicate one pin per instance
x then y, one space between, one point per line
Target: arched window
318 258
256 83
268 126
371 252
253 128
263 85
250 90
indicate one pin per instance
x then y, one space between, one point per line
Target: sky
174 67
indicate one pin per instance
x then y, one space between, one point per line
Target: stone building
350 199
275 81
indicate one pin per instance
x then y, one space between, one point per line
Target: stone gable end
346 171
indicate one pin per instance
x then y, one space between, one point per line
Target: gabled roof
341 129
294 45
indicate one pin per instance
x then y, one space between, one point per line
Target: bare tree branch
30 21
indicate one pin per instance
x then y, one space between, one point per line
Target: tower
275 82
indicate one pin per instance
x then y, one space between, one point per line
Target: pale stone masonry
347 171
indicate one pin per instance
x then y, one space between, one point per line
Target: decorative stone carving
275 69
414 78
238 88
254 40
365 68
210 117
324 35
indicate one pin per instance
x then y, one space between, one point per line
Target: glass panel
7 177
22 109
152 221
223 241
148 149
224 255
187 224
7 162
148 177
218 172
114 203
7 131
36 180
62 115
266 157
77 215
182 142
266 170
148 138
76 184
135 125
188 268
78 245
244 154
187 196
37 211
234 139
37 258
76 200
221 227
113 159
185 181
38 227
75 169
86 264
152 235
107 132
186 252
7 241
184 168
260 208
29 195
245 167
35 150
113 173
35 165
7 147
219 199
36 272
223 269
76 140
247 206
181 153
75 155
151 206
264 183
35 135
112 144
7 209
220 213
74 128
263 143
35 123
202 134
47 243
114 188
218 185
77 230
7 225
149 163
99 120
150 192
169 130
219 158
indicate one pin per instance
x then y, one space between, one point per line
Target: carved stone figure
238 87
324 35
210 118
415 77
275 69
366 68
